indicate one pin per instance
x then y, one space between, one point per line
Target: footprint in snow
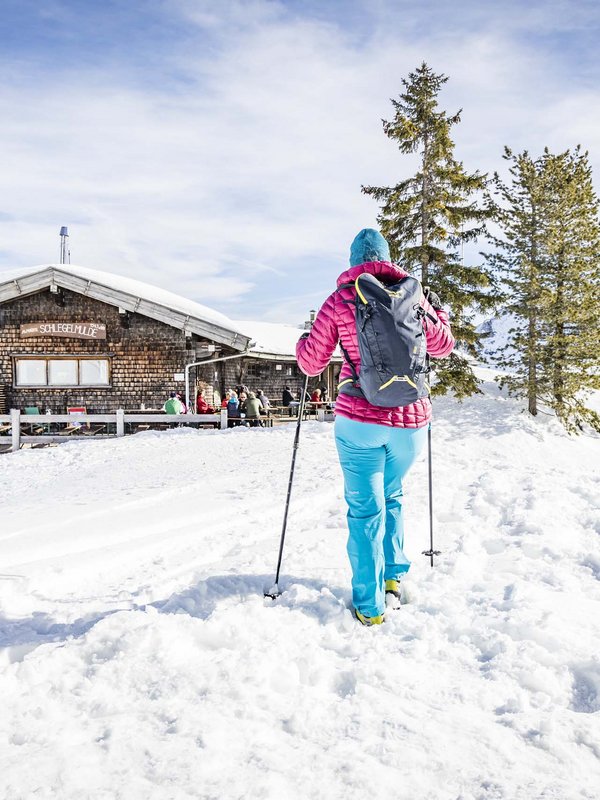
585 696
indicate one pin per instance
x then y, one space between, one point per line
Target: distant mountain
496 334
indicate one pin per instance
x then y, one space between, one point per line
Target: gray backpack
393 348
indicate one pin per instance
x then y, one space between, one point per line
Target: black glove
432 298
305 335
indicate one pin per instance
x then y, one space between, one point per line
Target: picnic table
310 409
288 411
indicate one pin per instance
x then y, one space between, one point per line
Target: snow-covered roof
272 339
128 293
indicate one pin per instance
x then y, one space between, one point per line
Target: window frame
50 365
80 361
47 357
257 370
16 382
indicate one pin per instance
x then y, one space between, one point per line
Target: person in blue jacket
233 409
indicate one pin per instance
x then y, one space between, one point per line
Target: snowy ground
141 661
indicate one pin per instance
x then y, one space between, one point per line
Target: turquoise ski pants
374 460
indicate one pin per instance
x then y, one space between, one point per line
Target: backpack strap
350 363
351 386
422 314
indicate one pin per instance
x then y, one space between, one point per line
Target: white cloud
237 182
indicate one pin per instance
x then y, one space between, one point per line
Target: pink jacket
336 322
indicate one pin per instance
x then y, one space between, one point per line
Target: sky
218 149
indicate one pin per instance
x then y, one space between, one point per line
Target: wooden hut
77 337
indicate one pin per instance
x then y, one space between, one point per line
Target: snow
498 334
141 660
272 337
131 286
275 338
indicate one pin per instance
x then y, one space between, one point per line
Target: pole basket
431 553
273 593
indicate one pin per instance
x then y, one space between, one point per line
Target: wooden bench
71 428
93 429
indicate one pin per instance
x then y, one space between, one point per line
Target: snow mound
140 658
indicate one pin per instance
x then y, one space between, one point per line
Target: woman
233 409
202 407
376 445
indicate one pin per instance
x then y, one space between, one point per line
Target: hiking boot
379 620
395 593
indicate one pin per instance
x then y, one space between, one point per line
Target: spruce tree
428 217
572 287
548 256
518 261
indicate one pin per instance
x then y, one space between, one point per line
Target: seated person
182 401
253 409
173 405
202 406
233 409
264 401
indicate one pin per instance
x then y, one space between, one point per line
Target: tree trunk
531 369
559 337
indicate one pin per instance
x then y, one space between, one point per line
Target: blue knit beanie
369 245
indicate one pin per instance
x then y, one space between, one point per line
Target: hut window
62 372
93 371
31 372
257 370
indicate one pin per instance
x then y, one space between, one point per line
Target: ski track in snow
139 658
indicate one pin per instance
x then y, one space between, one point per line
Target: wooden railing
19 428
18 423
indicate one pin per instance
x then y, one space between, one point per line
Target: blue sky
218 148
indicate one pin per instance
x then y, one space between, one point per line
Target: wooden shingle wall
144 356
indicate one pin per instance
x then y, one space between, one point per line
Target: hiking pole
274 591
431 552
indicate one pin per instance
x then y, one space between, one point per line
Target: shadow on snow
18 637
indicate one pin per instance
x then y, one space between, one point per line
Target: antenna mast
65 253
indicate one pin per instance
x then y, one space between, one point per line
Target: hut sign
73 330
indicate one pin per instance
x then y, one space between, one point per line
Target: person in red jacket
376 446
202 407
